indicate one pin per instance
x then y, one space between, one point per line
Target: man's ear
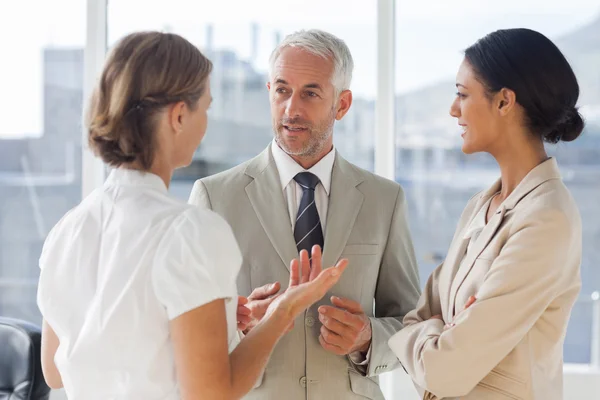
343 104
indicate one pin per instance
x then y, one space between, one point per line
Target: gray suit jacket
367 224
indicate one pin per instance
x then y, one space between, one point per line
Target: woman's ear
505 100
176 113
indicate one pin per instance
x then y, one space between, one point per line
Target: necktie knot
307 180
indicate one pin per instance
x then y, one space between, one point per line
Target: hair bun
568 128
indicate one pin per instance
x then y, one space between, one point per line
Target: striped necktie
308 230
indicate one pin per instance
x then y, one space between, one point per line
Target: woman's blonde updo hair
144 73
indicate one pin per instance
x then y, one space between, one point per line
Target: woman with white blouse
137 289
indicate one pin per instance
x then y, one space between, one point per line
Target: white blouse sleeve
49 249
196 262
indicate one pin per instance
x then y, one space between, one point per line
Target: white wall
58 395
581 382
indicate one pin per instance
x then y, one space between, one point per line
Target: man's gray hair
324 45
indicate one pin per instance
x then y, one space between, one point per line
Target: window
40 138
439 179
239 37
42 81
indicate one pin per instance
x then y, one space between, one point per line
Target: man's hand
346 329
258 302
243 314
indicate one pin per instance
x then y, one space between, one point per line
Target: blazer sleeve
199 195
532 269
397 290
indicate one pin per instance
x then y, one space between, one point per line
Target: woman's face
193 128
475 112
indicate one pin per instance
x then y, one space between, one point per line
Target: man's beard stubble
318 135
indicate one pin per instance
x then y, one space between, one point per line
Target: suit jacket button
310 321
303 382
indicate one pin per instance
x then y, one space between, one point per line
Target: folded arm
528 274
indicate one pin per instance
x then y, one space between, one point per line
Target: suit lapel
345 201
454 256
545 171
266 196
480 243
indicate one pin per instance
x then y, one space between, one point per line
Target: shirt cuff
358 358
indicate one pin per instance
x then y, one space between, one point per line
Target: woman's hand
308 284
468 304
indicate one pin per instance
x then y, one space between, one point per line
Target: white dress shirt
288 168
292 191
115 270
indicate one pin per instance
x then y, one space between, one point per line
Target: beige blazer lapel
453 257
542 173
266 196
545 171
345 201
456 254
466 264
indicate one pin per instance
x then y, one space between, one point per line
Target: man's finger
243 310
262 305
304 266
242 319
342 316
316 263
335 339
335 326
263 292
242 300
347 304
331 348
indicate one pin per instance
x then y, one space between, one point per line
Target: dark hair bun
567 129
530 65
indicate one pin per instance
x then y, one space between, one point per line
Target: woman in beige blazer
491 321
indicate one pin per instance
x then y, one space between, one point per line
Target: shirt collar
478 223
288 168
132 177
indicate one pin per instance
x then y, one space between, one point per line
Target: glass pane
238 37
439 179
41 77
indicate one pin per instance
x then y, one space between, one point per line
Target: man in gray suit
300 193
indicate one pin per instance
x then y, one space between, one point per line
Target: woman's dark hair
144 73
529 64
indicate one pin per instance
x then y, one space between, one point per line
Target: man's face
303 103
